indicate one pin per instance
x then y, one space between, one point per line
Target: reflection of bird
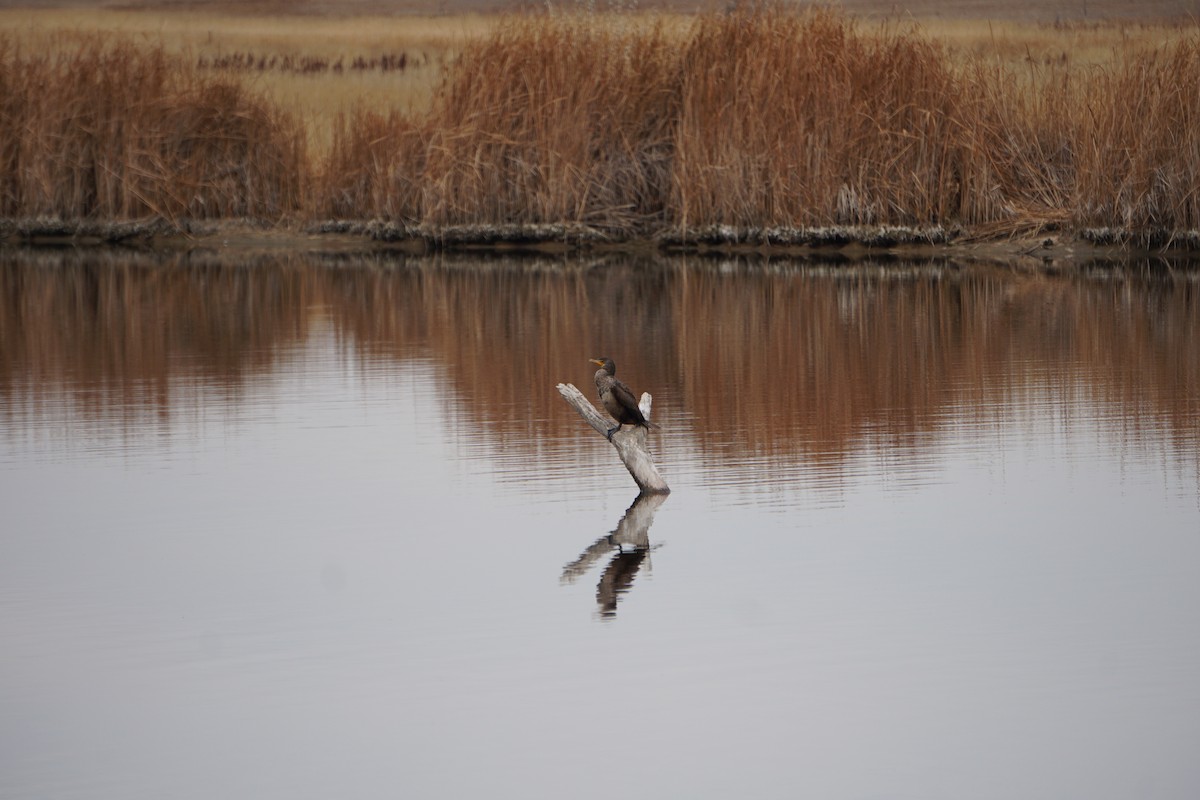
617 398
617 580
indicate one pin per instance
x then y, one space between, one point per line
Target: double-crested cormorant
617 398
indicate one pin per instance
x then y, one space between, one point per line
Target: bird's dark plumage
618 399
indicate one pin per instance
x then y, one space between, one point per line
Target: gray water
312 527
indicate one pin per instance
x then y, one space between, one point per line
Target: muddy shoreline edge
1050 249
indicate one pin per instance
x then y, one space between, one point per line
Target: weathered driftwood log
630 441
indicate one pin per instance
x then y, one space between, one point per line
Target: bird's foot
611 431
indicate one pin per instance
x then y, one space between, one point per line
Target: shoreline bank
1050 249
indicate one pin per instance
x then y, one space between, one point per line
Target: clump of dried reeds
555 119
768 118
115 131
800 120
372 168
1136 144
763 119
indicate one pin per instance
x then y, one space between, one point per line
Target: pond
310 526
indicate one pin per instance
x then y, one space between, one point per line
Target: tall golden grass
760 119
1136 145
557 121
798 120
117 132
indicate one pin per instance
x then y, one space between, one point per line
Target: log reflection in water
628 544
773 361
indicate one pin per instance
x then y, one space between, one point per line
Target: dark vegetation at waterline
306 65
762 126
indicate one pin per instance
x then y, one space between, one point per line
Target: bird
618 399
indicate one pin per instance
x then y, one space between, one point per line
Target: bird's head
605 364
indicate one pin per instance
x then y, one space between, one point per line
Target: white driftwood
630 441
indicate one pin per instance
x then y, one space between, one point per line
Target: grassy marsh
632 124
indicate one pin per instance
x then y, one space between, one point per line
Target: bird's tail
654 425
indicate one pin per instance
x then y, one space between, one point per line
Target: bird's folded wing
625 396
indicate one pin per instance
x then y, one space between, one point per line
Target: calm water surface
313 528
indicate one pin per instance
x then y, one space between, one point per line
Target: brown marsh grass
630 123
111 131
793 120
556 121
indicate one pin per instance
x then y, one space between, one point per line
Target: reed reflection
116 332
628 545
783 363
